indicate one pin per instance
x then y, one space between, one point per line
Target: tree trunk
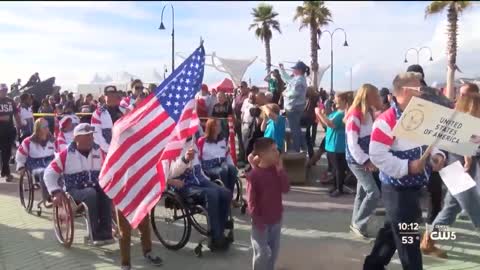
268 55
452 16
314 54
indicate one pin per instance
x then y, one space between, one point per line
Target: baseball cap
110 89
300 66
83 129
3 87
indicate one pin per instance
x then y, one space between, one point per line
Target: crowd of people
358 140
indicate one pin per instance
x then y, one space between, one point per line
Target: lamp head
405 61
162 27
431 59
345 44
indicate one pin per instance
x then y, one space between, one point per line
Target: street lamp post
162 27
418 53
165 70
331 50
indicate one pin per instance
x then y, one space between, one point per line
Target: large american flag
156 130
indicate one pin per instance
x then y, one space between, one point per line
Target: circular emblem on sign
412 120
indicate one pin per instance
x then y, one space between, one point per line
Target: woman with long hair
335 139
468 200
36 152
214 155
359 121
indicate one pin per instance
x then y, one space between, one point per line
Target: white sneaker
357 232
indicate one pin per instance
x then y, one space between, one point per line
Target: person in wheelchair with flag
80 165
214 155
34 155
187 177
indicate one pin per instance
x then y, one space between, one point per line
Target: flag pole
201 41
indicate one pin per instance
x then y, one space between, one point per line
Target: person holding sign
404 170
359 121
468 200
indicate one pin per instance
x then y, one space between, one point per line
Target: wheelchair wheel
26 191
63 222
199 217
170 222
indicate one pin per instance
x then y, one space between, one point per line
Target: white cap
64 119
83 129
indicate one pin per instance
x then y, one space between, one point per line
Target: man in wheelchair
80 165
187 177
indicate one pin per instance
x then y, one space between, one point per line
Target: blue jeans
402 205
265 244
227 173
217 201
294 118
99 211
468 200
366 199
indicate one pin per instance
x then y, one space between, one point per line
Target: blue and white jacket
33 155
78 171
391 155
191 173
102 121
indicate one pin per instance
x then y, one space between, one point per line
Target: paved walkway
314 237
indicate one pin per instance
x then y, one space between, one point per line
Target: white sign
456 179
427 123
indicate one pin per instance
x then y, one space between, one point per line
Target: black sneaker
336 193
153 260
229 225
8 178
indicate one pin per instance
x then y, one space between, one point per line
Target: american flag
156 130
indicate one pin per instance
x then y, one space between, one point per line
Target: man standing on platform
403 173
103 120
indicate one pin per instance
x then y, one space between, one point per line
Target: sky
74 40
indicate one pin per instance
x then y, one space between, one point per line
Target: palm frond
463 5
436 7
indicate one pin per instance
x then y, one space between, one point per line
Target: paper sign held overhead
427 123
456 179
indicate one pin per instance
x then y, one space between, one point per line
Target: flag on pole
155 130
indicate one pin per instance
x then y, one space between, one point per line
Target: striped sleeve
22 153
380 145
54 171
98 136
353 134
61 142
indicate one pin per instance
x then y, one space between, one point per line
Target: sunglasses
412 88
44 125
139 87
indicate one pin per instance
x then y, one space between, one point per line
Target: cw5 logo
443 235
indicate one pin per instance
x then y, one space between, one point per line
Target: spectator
275 85
204 102
90 103
294 101
359 120
335 140
46 108
222 110
468 200
254 132
273 125
309 119
26 117
35 103
386 98
247 118
52 102
237 109
265 185
214 155
8 111
468 88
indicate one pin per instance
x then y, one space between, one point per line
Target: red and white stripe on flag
156 130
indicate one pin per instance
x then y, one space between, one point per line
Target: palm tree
454 9
263 22
313 14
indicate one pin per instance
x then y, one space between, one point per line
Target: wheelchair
27 188
237 192
64 214
179 214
